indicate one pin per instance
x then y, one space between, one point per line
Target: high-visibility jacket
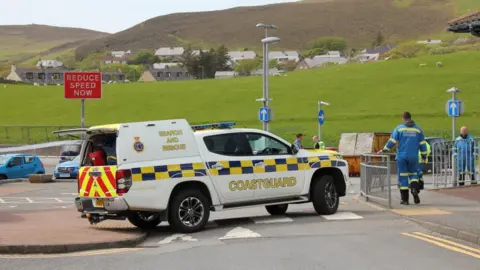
410 140
429 150
319 145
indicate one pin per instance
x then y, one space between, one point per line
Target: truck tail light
124 181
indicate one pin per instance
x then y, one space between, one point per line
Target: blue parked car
20 166
68 169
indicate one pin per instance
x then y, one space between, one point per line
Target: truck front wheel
145 221
189 211
324 195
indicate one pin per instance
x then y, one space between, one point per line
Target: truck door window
262 145
234 144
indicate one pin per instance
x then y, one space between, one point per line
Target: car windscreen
3 160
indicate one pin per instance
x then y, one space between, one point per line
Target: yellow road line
448 242
73 254
440 244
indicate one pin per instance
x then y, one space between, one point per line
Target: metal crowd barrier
449 166
375 177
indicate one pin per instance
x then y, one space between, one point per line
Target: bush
441 50
407 50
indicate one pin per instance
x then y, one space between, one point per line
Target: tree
328 44
246 66
205 64
273 63
378 39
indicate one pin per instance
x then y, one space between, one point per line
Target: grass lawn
363 97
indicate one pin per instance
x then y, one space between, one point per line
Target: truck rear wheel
324 195
189 211
145 221
276 210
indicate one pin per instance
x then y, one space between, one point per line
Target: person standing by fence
466 149
410 140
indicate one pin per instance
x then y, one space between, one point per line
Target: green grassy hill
363 97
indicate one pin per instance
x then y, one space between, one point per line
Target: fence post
28 135
389 183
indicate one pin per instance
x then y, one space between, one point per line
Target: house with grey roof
165 65
374 54
165 74
53 76
173 54
320 61
121 54
242 55
284 56
49 64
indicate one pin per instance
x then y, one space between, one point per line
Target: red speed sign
83 85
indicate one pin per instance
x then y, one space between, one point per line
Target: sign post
82 85
454 108
321 118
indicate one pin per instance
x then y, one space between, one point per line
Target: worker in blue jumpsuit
421 165
409 139
466 149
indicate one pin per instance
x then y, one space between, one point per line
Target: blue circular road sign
321 117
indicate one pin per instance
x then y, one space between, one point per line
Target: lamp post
266 99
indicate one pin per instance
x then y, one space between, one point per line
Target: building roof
170 51
238 55
379 49
472 16
324 59
283 54
197 52
164 65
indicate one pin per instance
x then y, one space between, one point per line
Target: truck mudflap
97 182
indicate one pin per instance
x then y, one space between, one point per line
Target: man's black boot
416 198
404 195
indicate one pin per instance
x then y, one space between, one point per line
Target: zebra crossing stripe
268 219
239 233
342 216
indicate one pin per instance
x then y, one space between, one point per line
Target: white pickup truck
171 171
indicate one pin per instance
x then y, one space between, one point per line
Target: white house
49 64
225 74
242 55
283 56
172 53
164 65
120 54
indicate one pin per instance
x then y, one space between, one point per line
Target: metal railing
375 177
451 167
20 135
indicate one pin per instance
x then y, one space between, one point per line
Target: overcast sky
107 15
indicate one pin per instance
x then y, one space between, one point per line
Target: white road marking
270 219
342 216
73 194
239 233
169 239
2 201
29 200
58 200
188 238
32 200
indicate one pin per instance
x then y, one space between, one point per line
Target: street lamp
320 103
265 99
266 27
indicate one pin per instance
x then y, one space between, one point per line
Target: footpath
59 231
453 212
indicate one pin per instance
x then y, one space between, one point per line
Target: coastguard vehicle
171 171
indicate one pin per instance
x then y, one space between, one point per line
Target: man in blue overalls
410 140
466 148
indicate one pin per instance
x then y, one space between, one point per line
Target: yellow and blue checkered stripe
233 167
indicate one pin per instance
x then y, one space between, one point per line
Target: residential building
49 64
225 74
283 56
197 52
121 54
166 74
36 76
110 59
242 55
320 61
164 65
173 54
271 72
52 76
374 54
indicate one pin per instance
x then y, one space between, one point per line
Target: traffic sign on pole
321 117
83 85
264 114
454 108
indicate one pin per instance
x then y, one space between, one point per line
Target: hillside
363 98
357 20
20 42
